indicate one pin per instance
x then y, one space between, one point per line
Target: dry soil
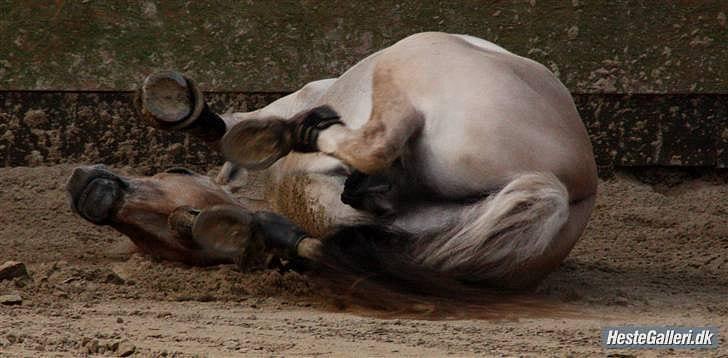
653 254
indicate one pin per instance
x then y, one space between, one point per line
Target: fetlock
278 233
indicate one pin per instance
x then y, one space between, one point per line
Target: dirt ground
653 254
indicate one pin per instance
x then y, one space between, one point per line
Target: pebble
621 301
12 269
11 300
113 278
92 347
125 349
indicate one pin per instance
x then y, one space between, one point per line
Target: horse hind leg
373 148
376 194
512 238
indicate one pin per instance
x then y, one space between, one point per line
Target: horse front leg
234 232
370 149
171 101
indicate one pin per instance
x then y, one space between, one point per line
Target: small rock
113 346
230 345
11 338
12 269
11 300
573 32
92 347
113 278
125 349
119 320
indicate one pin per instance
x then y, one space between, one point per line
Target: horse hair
377 266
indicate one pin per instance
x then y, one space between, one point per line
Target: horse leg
381 140
171 101
234 233
377 194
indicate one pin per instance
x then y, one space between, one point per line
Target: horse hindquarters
496 239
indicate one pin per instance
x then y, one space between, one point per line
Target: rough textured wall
594 46
650 78
626 130
40 128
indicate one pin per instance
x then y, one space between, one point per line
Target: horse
442 158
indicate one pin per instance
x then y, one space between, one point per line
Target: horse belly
311 200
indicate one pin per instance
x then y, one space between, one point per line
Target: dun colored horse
441 156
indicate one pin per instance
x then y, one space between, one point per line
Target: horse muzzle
95 193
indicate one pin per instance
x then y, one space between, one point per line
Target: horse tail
496 236
378 266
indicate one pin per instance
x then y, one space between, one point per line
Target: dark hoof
169 100
257 144
95 193
308 126
227 231
279 233
371 193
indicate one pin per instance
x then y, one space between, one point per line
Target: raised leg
369 149
169 100
381 140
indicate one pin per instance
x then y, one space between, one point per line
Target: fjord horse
441 155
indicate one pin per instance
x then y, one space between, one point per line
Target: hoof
169 100
257 144
227 232
95 193
371 193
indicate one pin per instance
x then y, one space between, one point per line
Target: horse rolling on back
441 156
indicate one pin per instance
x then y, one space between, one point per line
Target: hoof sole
257 144
227 231
169 100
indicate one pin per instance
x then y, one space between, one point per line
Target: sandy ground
652 255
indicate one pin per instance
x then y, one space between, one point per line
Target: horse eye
179 170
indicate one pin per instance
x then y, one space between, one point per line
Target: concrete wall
649 77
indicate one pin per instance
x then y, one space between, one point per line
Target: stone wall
55 127
650 78
278 45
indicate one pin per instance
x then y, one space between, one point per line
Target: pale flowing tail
377 266
492 238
